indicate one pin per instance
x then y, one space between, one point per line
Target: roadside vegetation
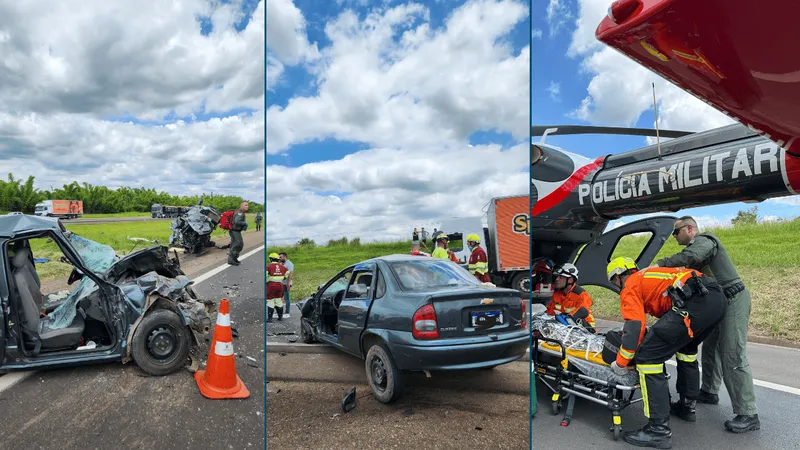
114 235
766 255
19 195
315 265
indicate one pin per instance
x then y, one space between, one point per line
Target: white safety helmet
567 270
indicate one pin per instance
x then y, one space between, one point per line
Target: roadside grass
116 215
314 266
114 235
767 257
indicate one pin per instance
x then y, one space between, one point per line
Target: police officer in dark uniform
238 225
724 356
689 306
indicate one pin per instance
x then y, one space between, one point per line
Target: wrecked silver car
140 306
192 230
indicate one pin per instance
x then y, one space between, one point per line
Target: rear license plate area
486 319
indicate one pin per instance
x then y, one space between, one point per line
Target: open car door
595 256
355 306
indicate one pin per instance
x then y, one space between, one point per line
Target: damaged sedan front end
140 306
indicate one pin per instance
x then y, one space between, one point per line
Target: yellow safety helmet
274 256
474 238
620 265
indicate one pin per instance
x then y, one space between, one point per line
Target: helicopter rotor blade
553 130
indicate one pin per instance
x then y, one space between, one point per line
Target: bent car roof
401 257
21 223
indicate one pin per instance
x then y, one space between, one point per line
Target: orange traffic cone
219 379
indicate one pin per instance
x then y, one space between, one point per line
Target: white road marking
12 378
219 269
762 383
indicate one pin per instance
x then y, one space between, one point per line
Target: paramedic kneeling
688 306
570 298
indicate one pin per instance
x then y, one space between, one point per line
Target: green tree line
16 195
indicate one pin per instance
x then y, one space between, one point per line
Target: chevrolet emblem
487 301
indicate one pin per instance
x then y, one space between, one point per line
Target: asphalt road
118 406
777 397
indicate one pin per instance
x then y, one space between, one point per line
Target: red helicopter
699 47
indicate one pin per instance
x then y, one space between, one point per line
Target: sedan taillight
523 305
424 325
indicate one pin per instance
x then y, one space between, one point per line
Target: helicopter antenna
655 110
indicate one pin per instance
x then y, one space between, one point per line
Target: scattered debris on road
349 401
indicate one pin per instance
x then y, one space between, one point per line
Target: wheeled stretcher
568 360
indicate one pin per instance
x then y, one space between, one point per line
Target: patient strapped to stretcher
585 350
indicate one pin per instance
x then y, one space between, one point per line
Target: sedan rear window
431 274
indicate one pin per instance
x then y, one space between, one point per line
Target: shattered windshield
95 256
431 274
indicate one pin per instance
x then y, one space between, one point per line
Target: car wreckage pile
192 231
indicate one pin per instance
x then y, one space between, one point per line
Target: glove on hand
621 371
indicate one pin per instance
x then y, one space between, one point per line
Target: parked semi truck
158 211
63 209
505 235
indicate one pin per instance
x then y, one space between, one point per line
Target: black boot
270 311
684 408
280 313
707 397
655 434
743 424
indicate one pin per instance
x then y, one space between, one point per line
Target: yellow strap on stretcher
581 354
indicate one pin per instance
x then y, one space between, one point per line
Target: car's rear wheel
305 332
385 379
161 343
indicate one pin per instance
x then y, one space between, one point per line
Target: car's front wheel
385 379
161 343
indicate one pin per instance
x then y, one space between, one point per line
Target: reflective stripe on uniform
275 279
644 370
479 267
686 358
645 398
626 354
650 369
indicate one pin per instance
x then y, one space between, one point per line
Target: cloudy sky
578 80
145 93
391 116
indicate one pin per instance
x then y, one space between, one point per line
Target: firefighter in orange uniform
478 262
276 272
570 298
688 306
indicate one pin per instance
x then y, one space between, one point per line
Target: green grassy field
113 234
315 266
767 257
116 215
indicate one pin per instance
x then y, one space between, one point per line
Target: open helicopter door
595 256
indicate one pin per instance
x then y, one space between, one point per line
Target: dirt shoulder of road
309 415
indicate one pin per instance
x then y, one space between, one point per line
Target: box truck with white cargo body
505 236
62 209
